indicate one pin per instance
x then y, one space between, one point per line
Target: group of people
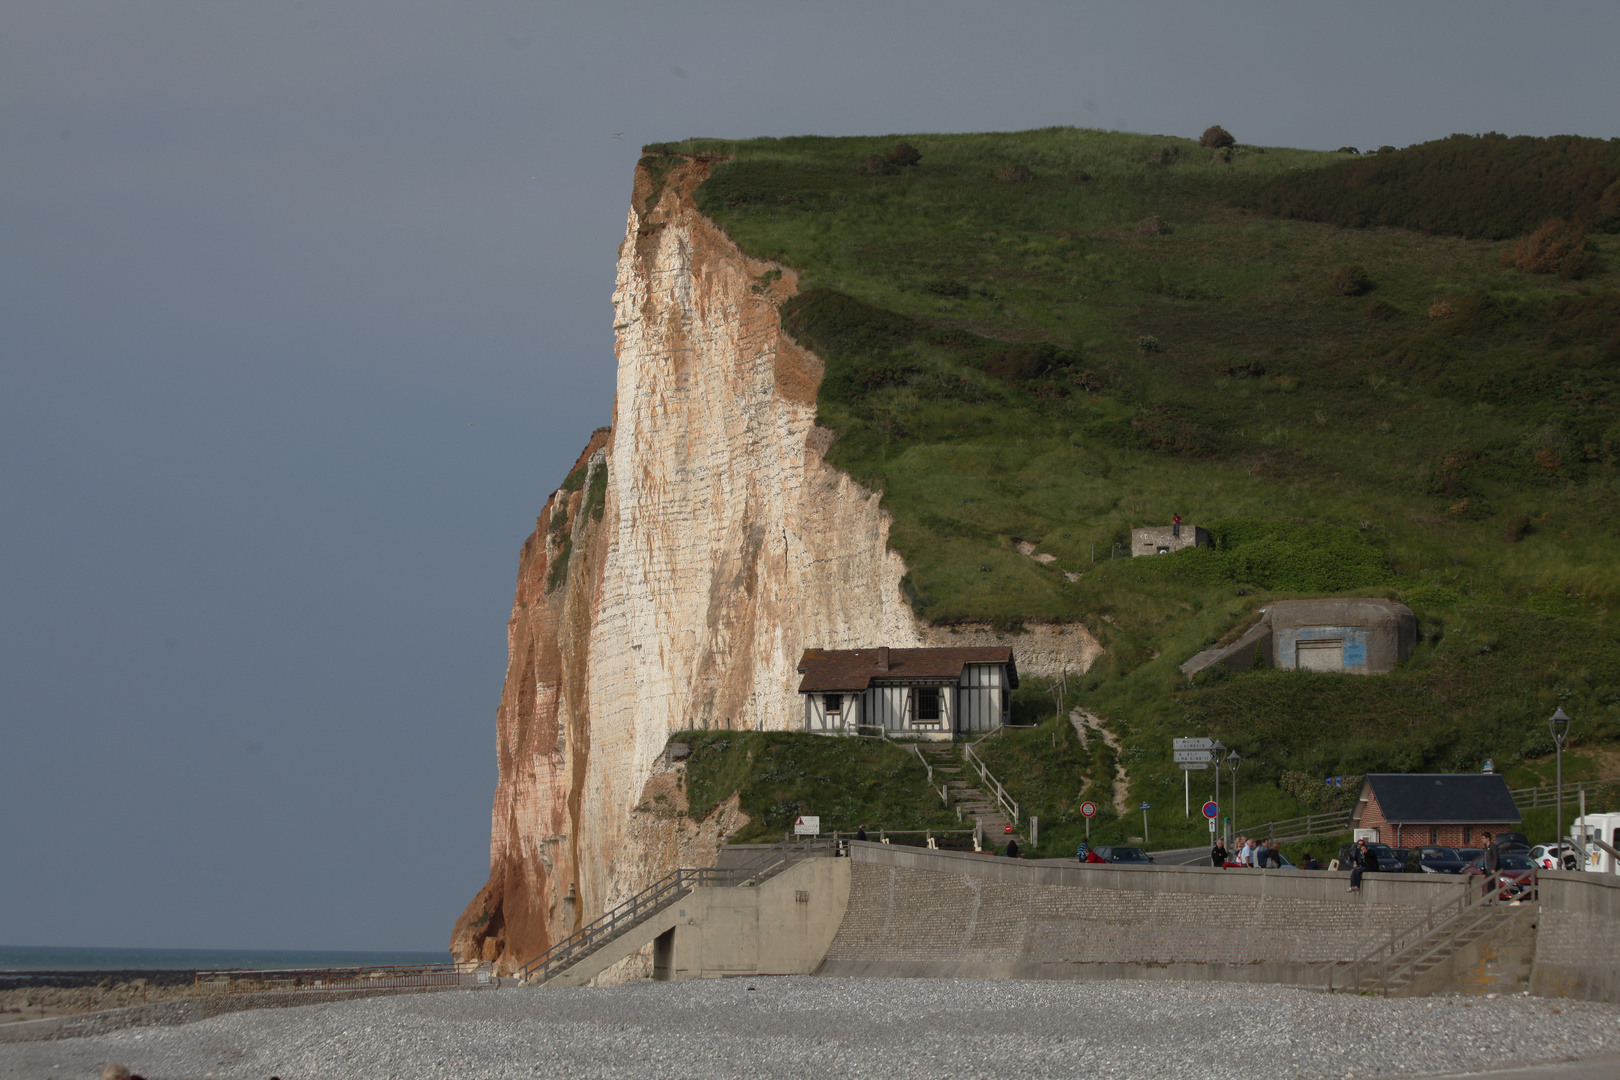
1248 851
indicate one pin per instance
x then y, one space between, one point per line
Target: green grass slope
1055 336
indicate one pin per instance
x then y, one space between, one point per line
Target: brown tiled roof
853 670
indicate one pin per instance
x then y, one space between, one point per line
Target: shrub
1442 309
1080 175
1147 343
1517 528
1607 218
1216 136
876 165
1014 174
1152 225
1165 155
1349 279
1023 362
1556 248
948 287
1347 150
904 154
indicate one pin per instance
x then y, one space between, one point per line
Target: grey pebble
801 1027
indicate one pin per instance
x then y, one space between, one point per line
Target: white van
1605 827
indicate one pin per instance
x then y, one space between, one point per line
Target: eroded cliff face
704 544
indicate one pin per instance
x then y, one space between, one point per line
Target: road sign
1212 826
1192 757
1211 811
1088 809
1192 744
1147 806
807 825
1187 766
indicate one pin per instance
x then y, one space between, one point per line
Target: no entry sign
1211 811
1088 809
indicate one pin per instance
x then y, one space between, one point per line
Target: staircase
619 926
994 808
1422 958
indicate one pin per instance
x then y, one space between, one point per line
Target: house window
832 704
1434 835
927 704
1468 836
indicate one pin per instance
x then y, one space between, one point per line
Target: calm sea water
46 958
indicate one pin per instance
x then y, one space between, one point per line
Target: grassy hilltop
1389 374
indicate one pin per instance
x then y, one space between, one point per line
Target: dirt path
1082 721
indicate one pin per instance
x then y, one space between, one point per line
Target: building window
1468 836
832 704
1434 835
927 704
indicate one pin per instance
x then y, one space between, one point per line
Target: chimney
883 658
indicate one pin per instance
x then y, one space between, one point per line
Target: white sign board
807 825
1188 765
1192 757
1192 744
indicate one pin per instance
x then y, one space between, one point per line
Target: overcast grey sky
304 310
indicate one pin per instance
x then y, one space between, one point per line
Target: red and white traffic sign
1211 811
1088 809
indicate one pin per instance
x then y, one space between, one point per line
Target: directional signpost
1088 810
1145 808
1192 754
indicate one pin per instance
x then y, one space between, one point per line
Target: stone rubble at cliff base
808 1027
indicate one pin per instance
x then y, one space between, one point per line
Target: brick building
1451 809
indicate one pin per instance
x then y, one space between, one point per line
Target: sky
304 310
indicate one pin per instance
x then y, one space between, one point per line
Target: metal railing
1432 931
661 894
357 978
992 785
1545 795
944 789
1298 828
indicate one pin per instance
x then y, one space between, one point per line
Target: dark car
1470 853
1518 874
1388 862
1514 838
1124 855
1434 860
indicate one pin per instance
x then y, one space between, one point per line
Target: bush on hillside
1487 186
1024 362
1347 150
1349 279
1165 155
1608 211
1152 225
1216 136
904 154
1014 174
1555 248
1284 555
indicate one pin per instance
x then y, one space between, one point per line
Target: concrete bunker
1356 635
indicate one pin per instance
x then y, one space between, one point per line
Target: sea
19 958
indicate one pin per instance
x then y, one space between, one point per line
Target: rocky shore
33 995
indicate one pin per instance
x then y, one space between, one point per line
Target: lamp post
1232 761
1560 728
1215 756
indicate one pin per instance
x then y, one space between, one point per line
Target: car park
1433 859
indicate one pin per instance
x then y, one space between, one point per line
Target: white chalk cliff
702 545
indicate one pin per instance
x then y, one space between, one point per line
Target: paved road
807 1028
1193 856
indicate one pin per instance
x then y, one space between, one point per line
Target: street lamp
1560 729
1232 761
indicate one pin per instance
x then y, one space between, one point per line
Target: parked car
1434 860
1518 874
1470 853
1388 862
1124 855
1555 857
1514 838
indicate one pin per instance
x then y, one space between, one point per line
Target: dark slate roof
1444 798
853 670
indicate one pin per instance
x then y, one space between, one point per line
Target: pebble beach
800 1027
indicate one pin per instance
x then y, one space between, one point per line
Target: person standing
1262 855
1245 852
1218 853
1175 526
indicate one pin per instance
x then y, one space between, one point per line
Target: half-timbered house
933 693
